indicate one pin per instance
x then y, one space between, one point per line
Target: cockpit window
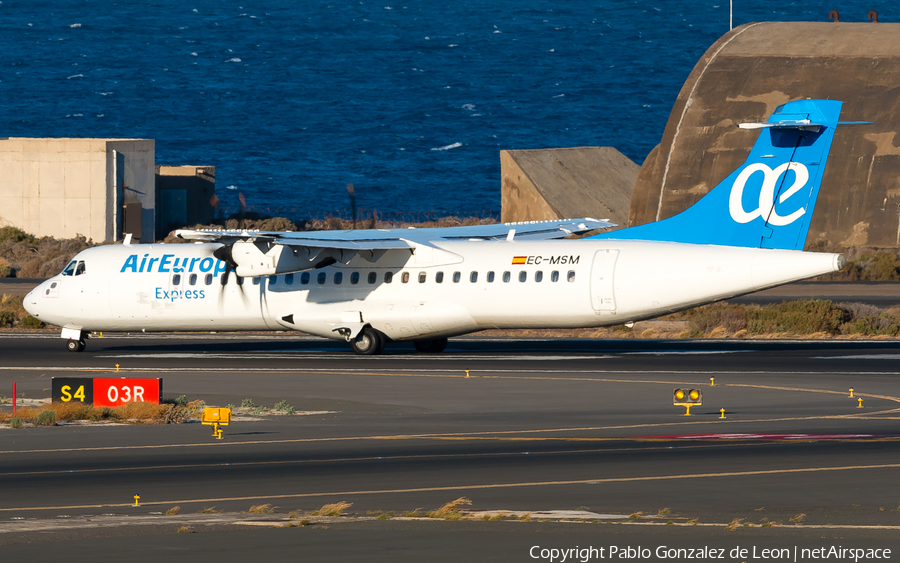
79 269
69 270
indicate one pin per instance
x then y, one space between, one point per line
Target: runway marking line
482 486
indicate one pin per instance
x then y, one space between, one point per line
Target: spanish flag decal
519 259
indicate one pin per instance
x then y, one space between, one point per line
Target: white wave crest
234 60
74 25
447 147
231 187
74 76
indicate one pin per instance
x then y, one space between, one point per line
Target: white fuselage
483 284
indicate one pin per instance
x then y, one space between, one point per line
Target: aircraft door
603 298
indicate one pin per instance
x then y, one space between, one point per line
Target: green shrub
797 317
284 406
875 325
15 422
7 318
14 234
31 322
45 418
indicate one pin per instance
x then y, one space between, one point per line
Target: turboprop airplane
370 287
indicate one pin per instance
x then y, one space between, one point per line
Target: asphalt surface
538 425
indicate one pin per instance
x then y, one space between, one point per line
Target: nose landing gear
73 345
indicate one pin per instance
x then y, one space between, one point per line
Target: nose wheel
73 345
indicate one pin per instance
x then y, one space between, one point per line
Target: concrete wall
66 187
566 183
744 76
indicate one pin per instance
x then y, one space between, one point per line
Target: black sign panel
72 390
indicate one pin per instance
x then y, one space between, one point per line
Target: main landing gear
368 342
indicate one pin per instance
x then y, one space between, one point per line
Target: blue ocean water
411 101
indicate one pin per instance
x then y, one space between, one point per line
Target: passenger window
70 268
273 280
506 277
354 278
571 276
223 280
523 276
473 277
176 279
240 280
554 277
456 277
388 277
338 278
373 277
208 279
304 278
193 279
80 268
405 277
538 276
422 277
256 280
490 277
320 279
439 277
289 279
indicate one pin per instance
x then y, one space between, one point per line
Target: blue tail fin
768 202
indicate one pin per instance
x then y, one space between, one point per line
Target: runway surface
537 425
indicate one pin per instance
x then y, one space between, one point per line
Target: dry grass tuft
663 512
636 515
131 412
798 518
734 524
262 509
187 530
173 511
212 510
451 509
336 509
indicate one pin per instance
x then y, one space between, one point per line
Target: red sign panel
117 392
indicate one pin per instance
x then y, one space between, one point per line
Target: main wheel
434 346
73 345
368 342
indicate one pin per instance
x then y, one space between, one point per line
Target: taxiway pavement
534 425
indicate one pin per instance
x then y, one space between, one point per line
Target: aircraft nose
33 298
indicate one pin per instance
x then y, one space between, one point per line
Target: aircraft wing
260 253
371 239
